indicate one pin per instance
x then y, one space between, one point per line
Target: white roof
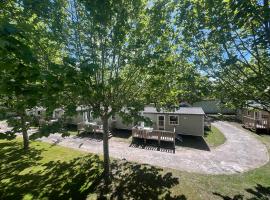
181 110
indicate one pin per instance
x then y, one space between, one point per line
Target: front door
161 122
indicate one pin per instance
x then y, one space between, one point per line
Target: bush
55 127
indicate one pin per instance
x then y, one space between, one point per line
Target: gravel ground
241 152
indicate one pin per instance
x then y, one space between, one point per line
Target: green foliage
27 49
229 40
118 57
56 127
19 80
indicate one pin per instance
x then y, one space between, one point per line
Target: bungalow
185 120
255 118
38 112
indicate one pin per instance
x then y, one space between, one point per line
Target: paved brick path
241 152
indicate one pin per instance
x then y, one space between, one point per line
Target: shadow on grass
193 142
259 192
57 127
23 174
47 129
29 174
136 181
8 135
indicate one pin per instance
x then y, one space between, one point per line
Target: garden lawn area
49 171
254 184
46 171
214 137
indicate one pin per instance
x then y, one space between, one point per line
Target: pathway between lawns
241 152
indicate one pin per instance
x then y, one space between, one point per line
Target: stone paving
241 152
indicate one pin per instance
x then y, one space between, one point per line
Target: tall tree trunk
106 149
25 134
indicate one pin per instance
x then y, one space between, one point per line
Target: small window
173 120
248 112
113 117
256 115
39 112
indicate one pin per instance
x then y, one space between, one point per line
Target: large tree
26 50
118 57
229 40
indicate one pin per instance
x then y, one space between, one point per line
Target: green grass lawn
52 172
46 171
214 137
254 184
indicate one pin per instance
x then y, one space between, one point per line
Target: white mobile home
37 112
185 120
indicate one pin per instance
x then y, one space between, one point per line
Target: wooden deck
255 124
158 135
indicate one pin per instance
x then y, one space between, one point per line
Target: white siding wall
188 124
191 125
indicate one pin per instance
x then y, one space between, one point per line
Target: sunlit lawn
45 171
254 184
214 137
52 172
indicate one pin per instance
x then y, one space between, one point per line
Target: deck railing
250 122
159 135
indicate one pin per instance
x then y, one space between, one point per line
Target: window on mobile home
173 120
256 115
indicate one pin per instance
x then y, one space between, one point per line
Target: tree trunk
25 139
106 149
25 134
